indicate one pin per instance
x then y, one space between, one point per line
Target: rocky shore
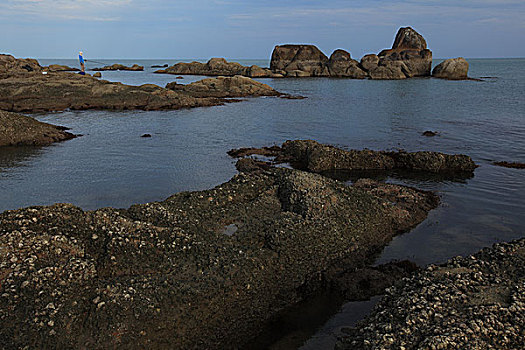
19 130
475 302
172 273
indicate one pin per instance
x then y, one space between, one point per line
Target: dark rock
97 75
164 274
222 87
146 135
341 64
429 133
19 130
117 66
179 77
514 165
59 91
160 66
452 69
315 157
293 97
408 57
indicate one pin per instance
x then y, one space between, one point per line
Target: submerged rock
475 302
117 66
452 69
515 165
60 91
19 130
237 86
164 274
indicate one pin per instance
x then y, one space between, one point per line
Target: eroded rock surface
237 86
60 68
452 69
166 275
476 302
19 130
299 60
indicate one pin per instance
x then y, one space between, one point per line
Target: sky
251 28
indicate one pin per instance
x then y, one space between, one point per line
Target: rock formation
117 66
299 60
59 91
19 130
237 86
453 69
341 64
165 275
11 65
315 157
218 67
408 57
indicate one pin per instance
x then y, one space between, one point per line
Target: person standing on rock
82 65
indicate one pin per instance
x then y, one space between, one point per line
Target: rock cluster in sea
118 66
474 302
409 57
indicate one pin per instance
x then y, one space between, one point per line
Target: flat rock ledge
475 302
118 66
19 130
34 92
167 274
318 158
223 87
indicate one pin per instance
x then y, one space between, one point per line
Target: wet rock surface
164 274
59 91
452 69
315 157
19 130
118 66
237 86
475 302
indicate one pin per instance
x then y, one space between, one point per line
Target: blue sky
250 29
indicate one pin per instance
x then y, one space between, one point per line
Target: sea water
111 165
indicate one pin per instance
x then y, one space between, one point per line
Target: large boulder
453 69
299 58
237 86
369 62
341 64
19 130
408 57
11 65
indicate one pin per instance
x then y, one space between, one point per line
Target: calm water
111 165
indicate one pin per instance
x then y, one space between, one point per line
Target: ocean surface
111 165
